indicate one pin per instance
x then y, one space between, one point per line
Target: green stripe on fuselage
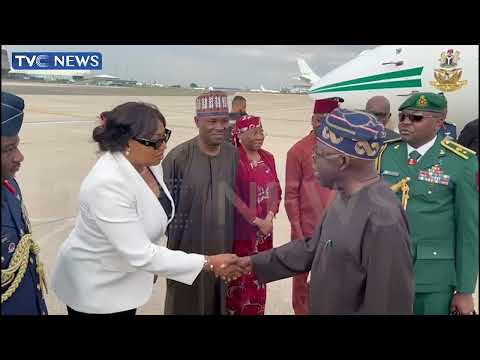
385 76
371 86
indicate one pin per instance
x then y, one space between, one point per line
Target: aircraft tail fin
306 72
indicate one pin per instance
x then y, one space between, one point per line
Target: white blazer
107 263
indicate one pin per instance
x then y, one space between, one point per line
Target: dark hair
132 119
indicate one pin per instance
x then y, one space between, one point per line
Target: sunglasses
157 143
413 118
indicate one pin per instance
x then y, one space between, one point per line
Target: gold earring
127 152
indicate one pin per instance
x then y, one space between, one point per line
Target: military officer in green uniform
436 180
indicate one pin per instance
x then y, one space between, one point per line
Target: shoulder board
394 140
462 151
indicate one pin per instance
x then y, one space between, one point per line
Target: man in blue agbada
23 281
359 255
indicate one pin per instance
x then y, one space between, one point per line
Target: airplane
228 90
297 89
397 71
263 90
306 73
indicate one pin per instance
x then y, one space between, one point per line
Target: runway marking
54 122
33 110
65 225
44 221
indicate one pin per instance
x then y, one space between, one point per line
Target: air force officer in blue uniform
23 281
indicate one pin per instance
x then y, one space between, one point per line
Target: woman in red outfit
259 196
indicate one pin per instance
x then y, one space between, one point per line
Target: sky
242 66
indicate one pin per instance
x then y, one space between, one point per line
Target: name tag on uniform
391 173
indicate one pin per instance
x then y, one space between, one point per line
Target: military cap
354 133
12 114
425 101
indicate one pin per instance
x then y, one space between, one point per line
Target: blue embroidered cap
354 133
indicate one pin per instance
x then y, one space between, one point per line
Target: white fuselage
395 71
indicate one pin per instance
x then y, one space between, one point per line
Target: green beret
425 101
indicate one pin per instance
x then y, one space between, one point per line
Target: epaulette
462 151
390 141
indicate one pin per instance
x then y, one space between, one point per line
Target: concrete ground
59 152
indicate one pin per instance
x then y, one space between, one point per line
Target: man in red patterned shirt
305 200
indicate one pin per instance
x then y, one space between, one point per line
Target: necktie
413 157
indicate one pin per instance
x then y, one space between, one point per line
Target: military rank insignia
422 101
434 175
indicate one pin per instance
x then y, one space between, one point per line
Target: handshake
229 267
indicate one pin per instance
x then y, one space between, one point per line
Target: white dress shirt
422 150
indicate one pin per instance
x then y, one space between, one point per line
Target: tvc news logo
57 61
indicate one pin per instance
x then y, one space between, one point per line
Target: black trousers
72 312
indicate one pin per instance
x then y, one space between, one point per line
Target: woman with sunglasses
108 262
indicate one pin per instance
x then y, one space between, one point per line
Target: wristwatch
206 262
